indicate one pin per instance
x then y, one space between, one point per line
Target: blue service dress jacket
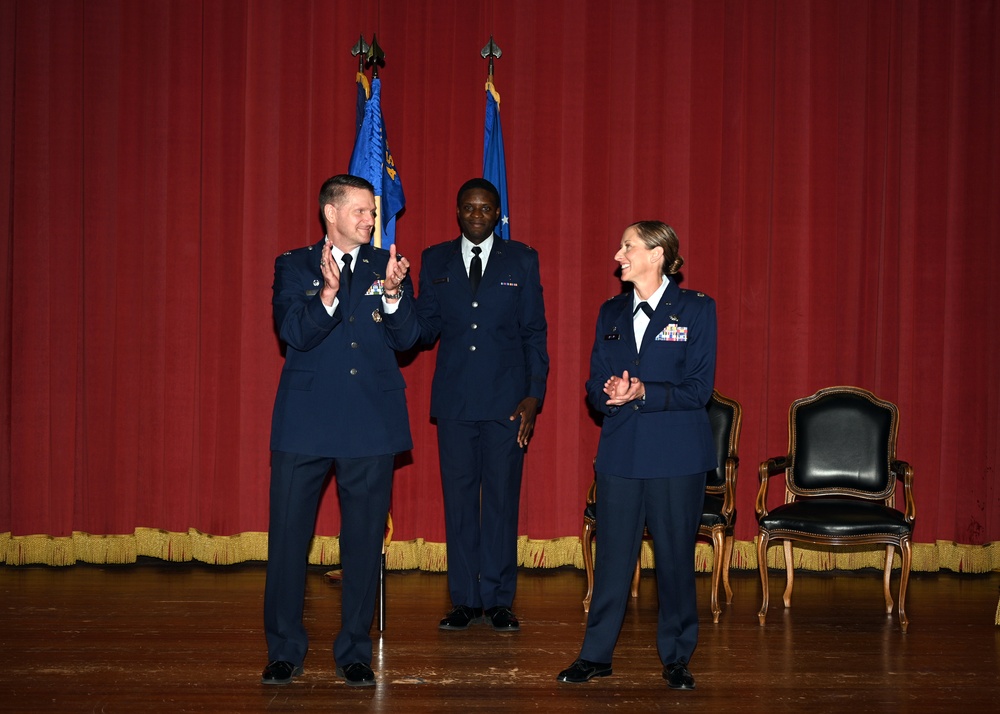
341 393
668 434
492 352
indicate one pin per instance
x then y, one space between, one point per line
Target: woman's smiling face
638 263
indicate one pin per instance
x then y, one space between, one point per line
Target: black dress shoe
461 617
678 676
279 672
584 670
503 619
357 674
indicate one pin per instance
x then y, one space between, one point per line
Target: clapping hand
624 389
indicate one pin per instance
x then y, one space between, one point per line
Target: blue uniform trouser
481 479
670 508
364 486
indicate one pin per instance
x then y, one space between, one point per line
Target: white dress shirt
639 320
338 255
468 245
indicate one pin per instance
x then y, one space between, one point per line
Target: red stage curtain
831 167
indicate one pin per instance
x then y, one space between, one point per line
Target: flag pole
494 160
360 50
374 57
371 158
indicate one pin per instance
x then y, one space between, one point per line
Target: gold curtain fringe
227 550
417 555
404 556
111 549
158 543
325 550
34 549
548 553
744 555
432 557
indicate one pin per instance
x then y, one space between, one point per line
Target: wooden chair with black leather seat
718 516
841 476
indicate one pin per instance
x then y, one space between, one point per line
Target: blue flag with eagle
372 160
494 163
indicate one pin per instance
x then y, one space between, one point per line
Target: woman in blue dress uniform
652 370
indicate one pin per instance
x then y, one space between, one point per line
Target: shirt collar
654 299
339 254
468 245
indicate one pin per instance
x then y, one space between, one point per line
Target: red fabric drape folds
832 169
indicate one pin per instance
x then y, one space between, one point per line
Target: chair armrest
729 495
904 473
769 468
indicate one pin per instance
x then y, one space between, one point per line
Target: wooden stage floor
160 637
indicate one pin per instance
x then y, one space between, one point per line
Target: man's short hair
335 187
478 183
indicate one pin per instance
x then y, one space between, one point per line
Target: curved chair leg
762 565
889 550
635 578
718 552
789 574
588 561
727 559
904 579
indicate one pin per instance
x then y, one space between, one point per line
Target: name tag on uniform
438 281
613 336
